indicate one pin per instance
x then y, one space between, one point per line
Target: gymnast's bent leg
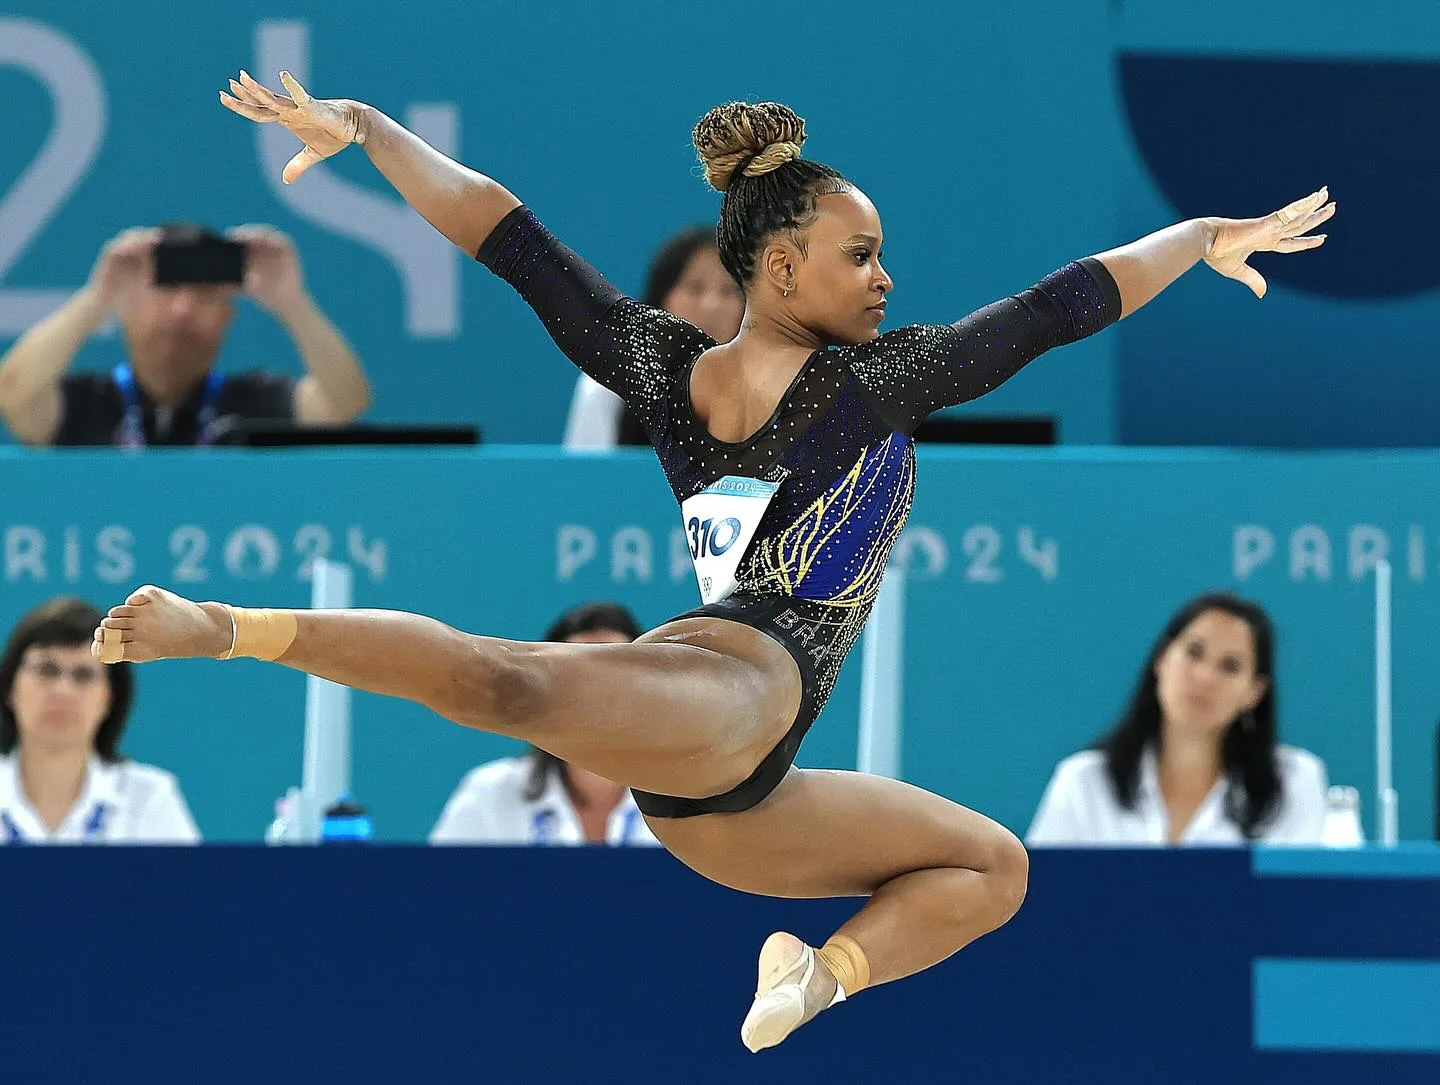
938 876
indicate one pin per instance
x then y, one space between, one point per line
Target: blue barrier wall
537 965
1038 580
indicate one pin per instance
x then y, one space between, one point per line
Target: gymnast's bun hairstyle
751 153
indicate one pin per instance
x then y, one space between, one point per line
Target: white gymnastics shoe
783 994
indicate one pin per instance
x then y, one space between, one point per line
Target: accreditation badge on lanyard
132 423
543 827
720 522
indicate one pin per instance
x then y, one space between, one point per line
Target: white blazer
125 803
489 807
1080 807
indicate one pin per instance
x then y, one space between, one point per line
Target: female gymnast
789 451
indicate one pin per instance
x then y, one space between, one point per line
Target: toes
110 647
140 596
123 622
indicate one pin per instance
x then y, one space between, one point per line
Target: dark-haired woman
538 798
1195 758
63 779
687 280
790 452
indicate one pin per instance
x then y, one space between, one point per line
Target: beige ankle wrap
260 634
847 963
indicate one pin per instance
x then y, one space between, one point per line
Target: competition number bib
719 523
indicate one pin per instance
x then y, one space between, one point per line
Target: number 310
711 538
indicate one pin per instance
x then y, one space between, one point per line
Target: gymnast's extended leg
688 710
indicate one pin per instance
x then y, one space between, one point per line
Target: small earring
787 290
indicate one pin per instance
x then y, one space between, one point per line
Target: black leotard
836 460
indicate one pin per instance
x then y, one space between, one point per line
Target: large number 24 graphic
79 99
427 265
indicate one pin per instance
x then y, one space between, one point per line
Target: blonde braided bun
751 137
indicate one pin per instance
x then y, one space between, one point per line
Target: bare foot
157 624
792 987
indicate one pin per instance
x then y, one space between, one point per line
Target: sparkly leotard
836 457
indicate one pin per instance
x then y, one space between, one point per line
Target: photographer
172 288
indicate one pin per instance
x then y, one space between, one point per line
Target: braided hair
751 153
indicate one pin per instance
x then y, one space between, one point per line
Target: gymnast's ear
776 267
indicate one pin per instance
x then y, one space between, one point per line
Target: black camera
186 255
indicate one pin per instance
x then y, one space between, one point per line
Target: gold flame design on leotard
789 561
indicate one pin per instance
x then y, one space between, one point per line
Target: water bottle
1342 819
346 822
285 827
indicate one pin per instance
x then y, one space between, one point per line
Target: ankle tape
260 634
847 963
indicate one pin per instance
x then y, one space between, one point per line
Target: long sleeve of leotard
632 349
911 372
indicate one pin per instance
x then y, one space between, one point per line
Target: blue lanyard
94 826
631 817
132 426
542 828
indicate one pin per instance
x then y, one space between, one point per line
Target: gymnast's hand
325 125
1232 241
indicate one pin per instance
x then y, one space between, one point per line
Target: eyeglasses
49 672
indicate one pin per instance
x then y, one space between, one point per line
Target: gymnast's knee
1009 871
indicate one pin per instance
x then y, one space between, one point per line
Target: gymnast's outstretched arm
462 204
628 347
914 371
1145 267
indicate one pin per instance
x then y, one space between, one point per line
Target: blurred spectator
686 279
1194 759
62 713
172 289
538 798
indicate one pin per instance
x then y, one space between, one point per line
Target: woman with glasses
62 776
